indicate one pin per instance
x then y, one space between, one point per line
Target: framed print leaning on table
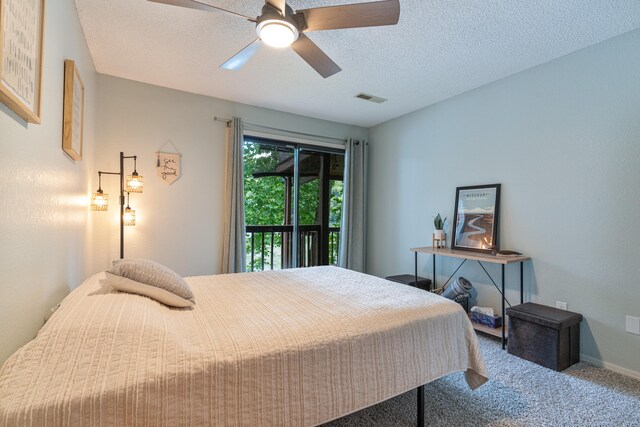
475 223
21 40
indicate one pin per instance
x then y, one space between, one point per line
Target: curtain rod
227 121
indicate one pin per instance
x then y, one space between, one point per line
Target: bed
288 348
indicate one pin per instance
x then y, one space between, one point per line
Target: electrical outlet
561 305
633 325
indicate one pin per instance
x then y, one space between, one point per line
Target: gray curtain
233 248
354 207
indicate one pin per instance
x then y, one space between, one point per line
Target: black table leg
415 268
420 422
503 319
434 272
521 282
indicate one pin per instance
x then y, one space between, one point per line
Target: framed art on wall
21 40
475 223
73 112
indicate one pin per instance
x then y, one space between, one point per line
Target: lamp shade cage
129 217
99 201
134 183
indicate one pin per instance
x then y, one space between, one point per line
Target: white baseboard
610 366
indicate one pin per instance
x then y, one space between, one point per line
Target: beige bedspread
282 348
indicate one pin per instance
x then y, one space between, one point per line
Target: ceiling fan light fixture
277 33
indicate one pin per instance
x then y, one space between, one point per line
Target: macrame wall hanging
168 166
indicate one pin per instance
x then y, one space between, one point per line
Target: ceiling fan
279 26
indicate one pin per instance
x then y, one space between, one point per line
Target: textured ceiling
440 48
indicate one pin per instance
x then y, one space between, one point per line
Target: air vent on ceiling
371 98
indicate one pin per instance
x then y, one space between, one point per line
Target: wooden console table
480 258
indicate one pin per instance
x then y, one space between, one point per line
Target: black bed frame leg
420 406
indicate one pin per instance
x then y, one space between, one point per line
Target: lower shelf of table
496 332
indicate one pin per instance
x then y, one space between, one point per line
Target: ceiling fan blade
357 15
315 57
281 5
238 60
198 5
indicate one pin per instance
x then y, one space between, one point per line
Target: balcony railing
270 247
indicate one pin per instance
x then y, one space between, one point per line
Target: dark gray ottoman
410 279
544 335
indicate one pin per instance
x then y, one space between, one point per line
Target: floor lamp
133 184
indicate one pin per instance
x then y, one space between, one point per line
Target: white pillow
148 278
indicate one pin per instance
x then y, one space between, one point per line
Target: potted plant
438 223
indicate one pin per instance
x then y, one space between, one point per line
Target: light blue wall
564 141
44 223
180 225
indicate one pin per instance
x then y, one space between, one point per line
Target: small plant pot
438 234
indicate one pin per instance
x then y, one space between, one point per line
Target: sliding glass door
319 205
293 204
